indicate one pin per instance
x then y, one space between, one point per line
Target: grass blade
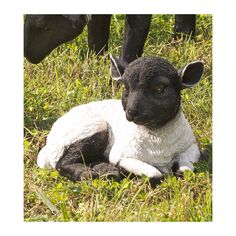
46 200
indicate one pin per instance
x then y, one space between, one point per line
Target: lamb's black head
152 88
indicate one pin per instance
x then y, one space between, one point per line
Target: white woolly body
135 147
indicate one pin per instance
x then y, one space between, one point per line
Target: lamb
146 133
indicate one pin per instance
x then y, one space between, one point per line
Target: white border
11 63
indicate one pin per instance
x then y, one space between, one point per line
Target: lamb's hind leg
78 158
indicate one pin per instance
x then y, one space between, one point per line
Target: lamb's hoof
107 170
154 181
77 172
88 174
179 174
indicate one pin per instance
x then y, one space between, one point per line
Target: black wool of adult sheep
144 133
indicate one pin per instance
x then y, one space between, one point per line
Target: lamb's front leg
186 159
140 168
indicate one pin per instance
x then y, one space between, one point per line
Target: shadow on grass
205 163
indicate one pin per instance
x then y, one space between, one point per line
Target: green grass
68 78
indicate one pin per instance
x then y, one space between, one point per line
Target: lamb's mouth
139 122
151 123
144 122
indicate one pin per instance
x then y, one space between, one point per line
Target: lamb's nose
131 114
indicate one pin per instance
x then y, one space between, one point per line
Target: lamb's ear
117 68
190 74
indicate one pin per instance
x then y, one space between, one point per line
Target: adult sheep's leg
98 33
136 31
184 25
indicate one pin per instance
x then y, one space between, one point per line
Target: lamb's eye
160 89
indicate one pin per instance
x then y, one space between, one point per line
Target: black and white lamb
145 133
